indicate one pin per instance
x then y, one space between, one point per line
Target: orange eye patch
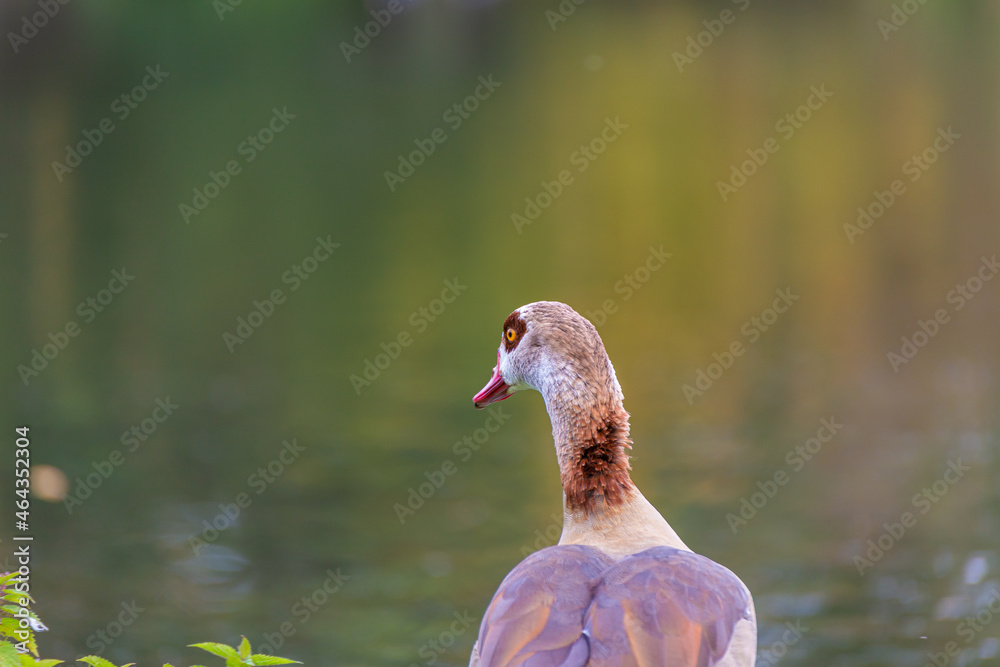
513 329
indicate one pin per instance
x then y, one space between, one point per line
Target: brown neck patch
598 466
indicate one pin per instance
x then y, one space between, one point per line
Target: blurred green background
323 176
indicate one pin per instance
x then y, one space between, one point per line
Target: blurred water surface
322 559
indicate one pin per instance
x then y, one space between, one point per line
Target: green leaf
259 659
8 626
244 648
27 660
97 661
9 656
17 597
32 644
235 661
15 639
221 650
15 610
48 662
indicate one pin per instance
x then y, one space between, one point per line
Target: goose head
549 347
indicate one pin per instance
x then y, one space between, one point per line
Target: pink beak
495 390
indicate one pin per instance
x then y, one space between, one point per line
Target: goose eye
511 335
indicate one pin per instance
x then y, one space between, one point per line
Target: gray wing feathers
664 606
536 616
572 605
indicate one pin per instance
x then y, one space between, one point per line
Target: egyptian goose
620 588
